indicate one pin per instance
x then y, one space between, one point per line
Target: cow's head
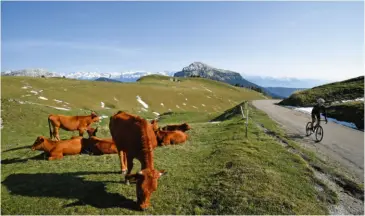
186 126
94 117
154 125
38 143
146 184
92 131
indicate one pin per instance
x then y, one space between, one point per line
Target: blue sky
322 40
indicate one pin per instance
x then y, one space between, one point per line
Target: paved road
342 144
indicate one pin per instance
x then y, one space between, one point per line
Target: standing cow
135 136
70 123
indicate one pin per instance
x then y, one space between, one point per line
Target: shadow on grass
18 148
23 160
67 186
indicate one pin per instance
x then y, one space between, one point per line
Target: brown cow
57 149
170 137
99 146
181 127
70 123
135 136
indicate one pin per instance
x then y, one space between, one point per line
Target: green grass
337 91
217 171
350 112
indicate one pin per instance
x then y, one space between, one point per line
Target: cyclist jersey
318 109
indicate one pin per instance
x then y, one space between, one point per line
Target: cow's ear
40 139
96 130
163 172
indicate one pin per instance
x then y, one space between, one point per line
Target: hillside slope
345 90
162 95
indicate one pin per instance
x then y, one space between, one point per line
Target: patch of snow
102 104
65 102
177 106
61 108
103 117
26 87
345 101
142 102
144 109
40 91
162 104
184 104
34 92
215 122
58 101
180 93
43 98
208 97
170 110
186 99
156 113
304 109
116 99
27 95
203 105
347 124
195 107
207 89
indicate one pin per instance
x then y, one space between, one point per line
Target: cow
98 146
170 137
70 123
135 136
181 127
57 149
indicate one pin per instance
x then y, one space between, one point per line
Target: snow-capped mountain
38 72
129 76
287 82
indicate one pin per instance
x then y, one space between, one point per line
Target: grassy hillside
188 95
350 112
217 171
344 90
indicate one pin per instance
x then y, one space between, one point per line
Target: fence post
246 118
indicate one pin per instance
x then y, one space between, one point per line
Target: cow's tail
49 125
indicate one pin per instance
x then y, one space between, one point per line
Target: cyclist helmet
320 101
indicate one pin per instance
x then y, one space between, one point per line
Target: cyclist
317 110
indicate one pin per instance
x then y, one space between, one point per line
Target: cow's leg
123 162
130 166
56 133
55 157
81 131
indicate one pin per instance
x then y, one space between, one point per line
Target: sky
318 40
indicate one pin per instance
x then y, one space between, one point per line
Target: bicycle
317 129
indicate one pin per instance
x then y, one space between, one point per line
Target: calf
181 127
135 136
57 149
70 123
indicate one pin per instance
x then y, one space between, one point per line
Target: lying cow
70 123
181 127
98 146
57 149
135 136
168 137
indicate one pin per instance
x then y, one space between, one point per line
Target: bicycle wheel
319 133
308 129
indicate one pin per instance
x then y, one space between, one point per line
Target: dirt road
341 144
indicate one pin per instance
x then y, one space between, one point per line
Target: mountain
206 71
283 91
38 72
203 70
104 79
287 82
129 76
